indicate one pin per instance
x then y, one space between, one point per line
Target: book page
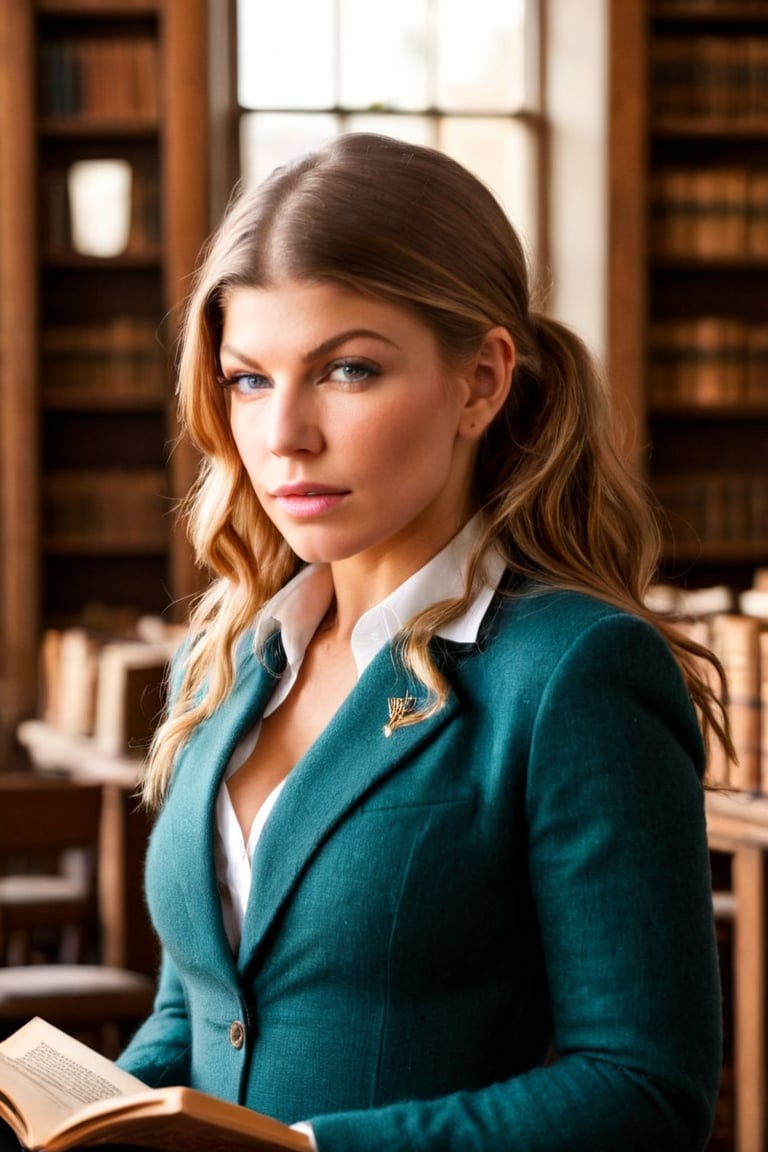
59 1094
47 1076
178 1120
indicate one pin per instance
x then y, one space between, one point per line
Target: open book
57 1093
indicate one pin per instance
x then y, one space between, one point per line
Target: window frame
228 113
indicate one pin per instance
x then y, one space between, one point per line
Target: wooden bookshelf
87 417
687 325
686 352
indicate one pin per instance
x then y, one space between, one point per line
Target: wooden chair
48 906
58 818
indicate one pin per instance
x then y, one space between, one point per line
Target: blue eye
350 372
245 383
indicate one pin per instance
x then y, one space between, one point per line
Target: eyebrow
325 346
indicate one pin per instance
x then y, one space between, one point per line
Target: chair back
49 852
44 818
47 814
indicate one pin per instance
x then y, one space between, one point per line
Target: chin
314 552
318 551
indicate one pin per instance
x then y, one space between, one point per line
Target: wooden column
19 464
128 940
185 211
748 877
738 827
627 207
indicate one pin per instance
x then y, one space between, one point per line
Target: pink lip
308 499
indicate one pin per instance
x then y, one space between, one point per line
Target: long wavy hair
409 226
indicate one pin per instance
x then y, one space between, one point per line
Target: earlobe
490 381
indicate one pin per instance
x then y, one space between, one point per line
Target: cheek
427 434
380 444
424 419
243 432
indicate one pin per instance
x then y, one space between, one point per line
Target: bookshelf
88 480
687 325
686 355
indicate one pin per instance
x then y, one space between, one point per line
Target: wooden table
127 937
738 827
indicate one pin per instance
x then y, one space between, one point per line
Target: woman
430 870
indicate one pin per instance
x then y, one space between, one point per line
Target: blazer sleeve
619 869
159 1052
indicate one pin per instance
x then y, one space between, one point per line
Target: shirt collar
297 609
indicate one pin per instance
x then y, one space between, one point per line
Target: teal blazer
490 931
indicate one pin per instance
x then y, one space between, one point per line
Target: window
459 75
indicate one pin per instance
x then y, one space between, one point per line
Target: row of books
714 508
145 225
100 78
709 76
707 361
735 627
104 365
709 212
107 685
103 510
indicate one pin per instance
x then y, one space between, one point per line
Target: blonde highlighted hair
409 226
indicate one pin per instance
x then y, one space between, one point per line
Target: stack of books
735 627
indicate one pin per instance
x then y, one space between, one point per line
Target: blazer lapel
198 776
346 761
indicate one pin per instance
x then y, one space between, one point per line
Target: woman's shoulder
538 626
564 646
543 611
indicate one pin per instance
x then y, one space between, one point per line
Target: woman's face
354 433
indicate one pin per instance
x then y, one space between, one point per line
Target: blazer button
236 1034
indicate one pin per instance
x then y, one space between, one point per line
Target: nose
293 423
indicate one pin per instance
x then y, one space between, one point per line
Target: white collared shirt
296 611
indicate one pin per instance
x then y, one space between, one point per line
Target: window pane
413 129
271 138
286 54
503 154
384 54
481 49
351 66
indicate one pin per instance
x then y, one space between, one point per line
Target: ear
488 381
